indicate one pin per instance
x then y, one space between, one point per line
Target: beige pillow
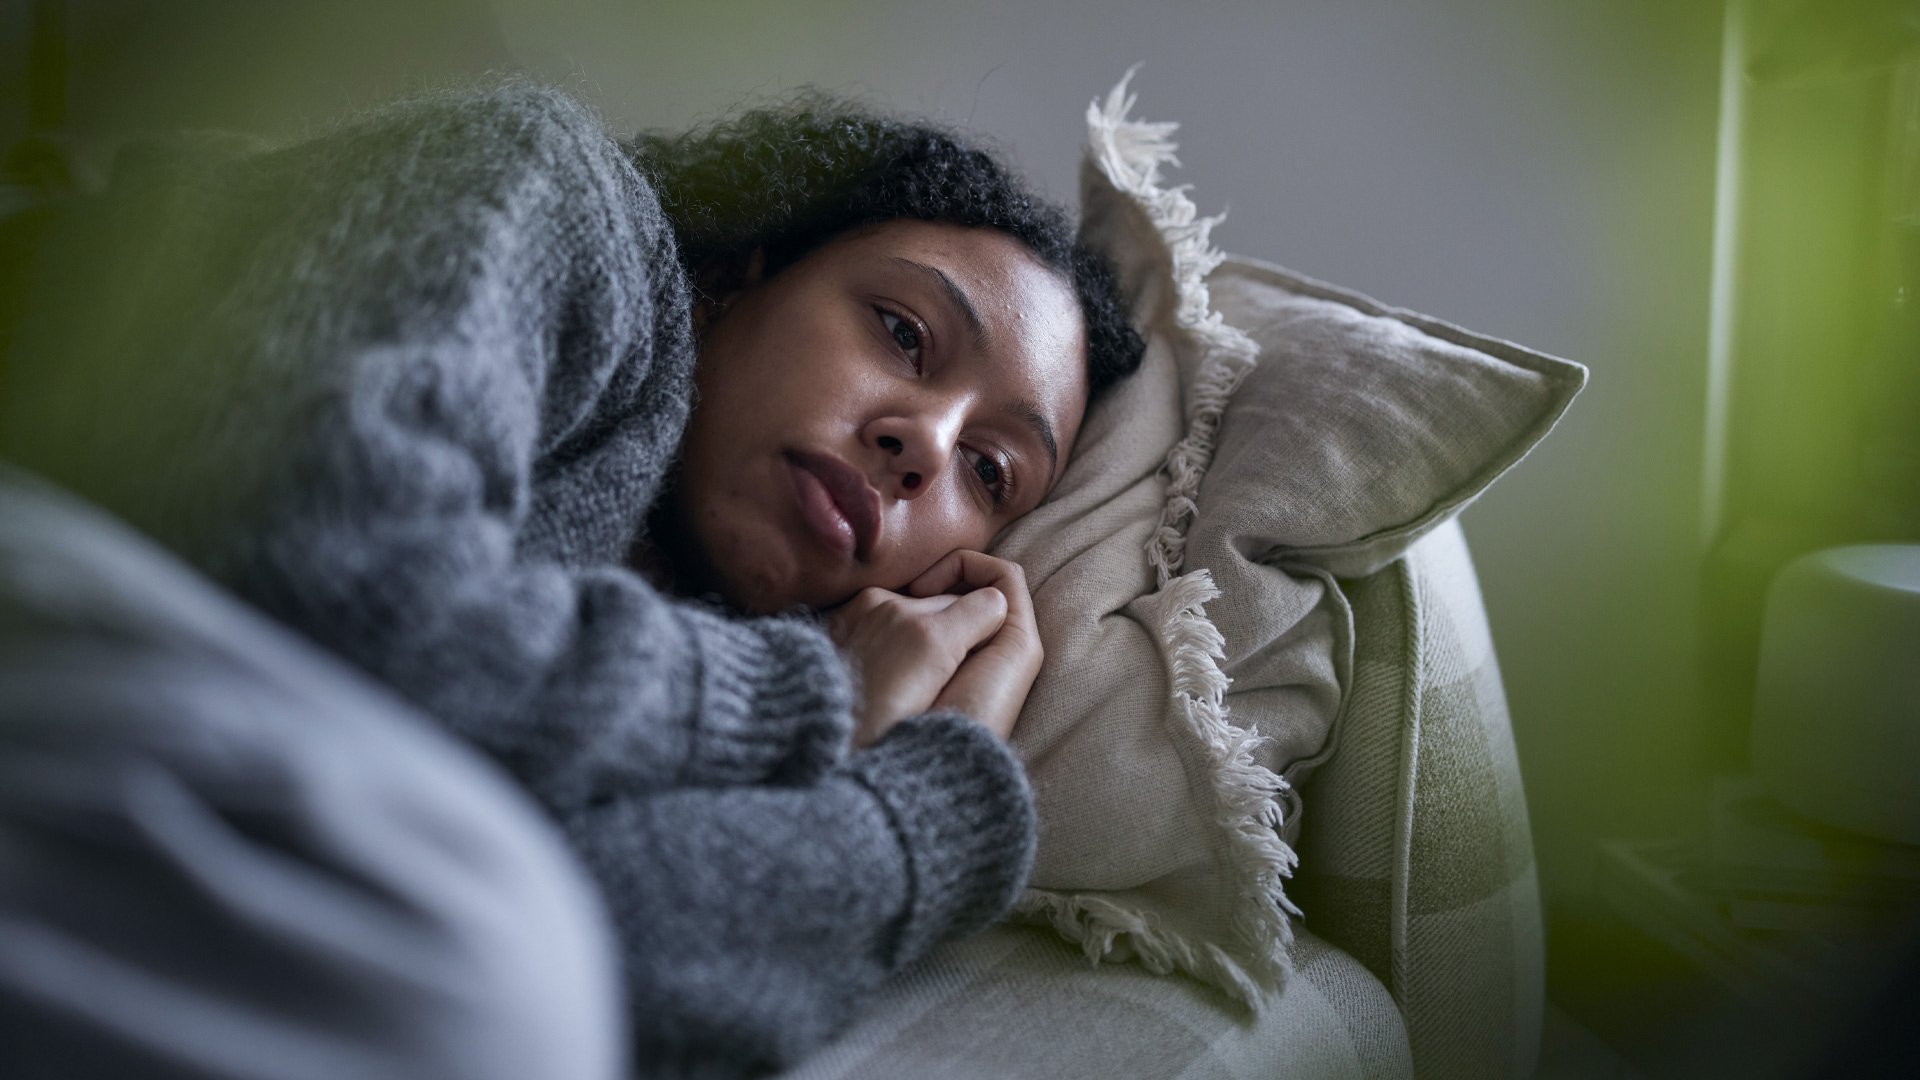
1362 429
1198 645
1364 426
1157 817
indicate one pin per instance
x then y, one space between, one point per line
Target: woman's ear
721 281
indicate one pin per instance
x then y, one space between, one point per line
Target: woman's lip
837 503
821 514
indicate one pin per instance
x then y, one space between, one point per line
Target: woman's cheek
961 525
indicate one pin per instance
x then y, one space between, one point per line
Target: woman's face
904 390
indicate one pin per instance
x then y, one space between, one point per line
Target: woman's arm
342 376
400 386
755 920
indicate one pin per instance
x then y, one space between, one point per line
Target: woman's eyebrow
1029 414
975 325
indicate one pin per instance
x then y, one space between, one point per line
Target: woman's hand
992 683
907 649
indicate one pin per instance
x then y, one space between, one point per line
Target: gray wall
1538 171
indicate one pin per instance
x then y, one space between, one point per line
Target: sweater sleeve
354 362
754 920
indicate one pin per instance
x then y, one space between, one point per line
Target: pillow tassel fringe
1246 794
1107 930
1129 153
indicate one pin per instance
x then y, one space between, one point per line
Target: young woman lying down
659 471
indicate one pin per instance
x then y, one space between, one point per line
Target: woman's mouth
837 503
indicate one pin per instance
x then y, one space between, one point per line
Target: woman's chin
769 600
751 564
762 588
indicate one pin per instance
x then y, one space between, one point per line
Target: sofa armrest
1416 854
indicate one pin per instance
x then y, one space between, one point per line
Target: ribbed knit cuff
775 703
960 802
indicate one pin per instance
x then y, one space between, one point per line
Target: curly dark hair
787 178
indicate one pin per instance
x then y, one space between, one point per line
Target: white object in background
1836 712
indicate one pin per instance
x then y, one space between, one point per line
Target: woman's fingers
963 570
842 621
975 617
961 635
907 648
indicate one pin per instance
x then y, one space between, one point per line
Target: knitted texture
411 387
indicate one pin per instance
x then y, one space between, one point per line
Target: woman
425 389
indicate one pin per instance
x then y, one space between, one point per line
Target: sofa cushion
1016 1002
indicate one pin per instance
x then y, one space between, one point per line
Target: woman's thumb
977 616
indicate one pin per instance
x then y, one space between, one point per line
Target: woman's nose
915 449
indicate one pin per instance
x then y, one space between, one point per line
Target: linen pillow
1156 823
1364 427
1170 721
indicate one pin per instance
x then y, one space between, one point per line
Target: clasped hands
961 636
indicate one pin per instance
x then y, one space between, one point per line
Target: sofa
1420 950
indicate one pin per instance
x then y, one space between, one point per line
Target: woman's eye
904 334
995 476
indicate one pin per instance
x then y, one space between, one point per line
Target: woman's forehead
1016 302
989 261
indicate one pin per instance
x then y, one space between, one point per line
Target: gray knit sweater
411 387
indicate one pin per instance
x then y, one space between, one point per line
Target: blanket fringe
1130 154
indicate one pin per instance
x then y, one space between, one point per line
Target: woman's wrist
958 799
